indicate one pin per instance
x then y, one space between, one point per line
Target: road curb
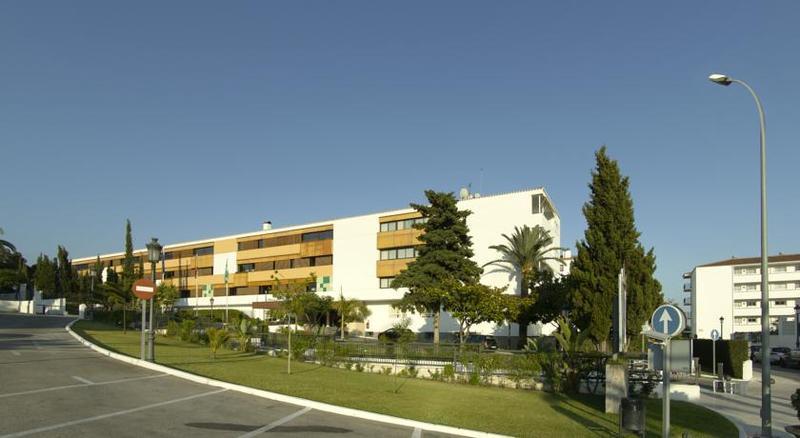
324 407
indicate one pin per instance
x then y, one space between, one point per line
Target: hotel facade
356 256
726 296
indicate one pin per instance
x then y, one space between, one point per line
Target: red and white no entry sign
144 289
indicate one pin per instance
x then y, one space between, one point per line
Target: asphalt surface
51 385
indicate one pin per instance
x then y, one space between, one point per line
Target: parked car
486 342
779 355
755 353
393 334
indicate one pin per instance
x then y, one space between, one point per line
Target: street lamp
797 326
721 320
154 256
766 390
212 310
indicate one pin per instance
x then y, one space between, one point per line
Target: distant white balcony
687 287
687 275
687 301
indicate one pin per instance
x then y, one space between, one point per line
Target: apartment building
731 290
356 256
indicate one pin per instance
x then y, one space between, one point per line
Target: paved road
51 385
746 409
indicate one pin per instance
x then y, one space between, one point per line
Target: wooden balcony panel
393 239
318 248
390 268
275 251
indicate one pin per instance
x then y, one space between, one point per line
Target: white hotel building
731 289
356 255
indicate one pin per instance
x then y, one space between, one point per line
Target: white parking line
417 433
276 423
58 388
112 414
81 379
16 353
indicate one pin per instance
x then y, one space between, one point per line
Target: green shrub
796 402
186 330
448 372
172 328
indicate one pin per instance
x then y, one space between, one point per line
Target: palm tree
216 338
525 254
350 310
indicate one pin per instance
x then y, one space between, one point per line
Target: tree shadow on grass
594 427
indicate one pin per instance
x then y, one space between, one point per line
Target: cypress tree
44 276
610 242
444 258
66 284
128 273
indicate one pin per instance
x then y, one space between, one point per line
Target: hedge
731 353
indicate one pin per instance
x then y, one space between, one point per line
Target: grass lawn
505 411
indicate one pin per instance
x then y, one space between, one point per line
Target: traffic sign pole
144 312
667 370
667 321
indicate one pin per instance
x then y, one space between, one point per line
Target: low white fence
56 306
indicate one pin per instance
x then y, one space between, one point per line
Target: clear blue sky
197 119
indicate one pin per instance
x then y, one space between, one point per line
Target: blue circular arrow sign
668 320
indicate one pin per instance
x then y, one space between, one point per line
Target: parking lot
51 385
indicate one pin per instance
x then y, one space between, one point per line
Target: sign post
667 321
144 289
714 337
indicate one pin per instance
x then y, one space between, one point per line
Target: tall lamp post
766 390
154 256
721 320
797 326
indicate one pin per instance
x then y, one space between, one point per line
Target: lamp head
720 79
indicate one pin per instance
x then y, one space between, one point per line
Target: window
777 286
283 264
301 263
404 224
265 266
779 303
233 291
408 252
749 270
185 293
169 255
323 260
317 235
541 205
779 268
265 289
247 267
207 250
251 244
169 274
386 282
205 271
281 241
752 303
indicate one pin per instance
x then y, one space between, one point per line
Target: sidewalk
745 409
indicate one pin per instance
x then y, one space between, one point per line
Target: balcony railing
687 301
687 287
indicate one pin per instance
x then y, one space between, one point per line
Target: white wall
355 255
219 262
713 298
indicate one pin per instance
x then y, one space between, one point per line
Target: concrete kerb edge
324 407
732 419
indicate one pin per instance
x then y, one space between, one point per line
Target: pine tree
65 275
610 242
44 276
444 257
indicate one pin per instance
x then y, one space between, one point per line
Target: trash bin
632 416
721 370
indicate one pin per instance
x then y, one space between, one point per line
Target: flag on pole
226 272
